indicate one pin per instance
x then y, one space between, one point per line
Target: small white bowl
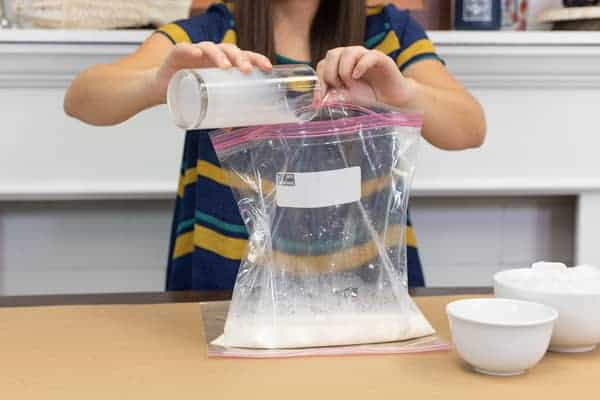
578 326
500 337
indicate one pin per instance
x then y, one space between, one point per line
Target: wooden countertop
156 351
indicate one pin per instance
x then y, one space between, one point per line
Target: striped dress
208 236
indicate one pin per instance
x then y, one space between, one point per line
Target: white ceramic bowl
500 336
578 326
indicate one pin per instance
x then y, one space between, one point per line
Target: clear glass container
217 98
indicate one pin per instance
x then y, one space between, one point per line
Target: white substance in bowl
550 277
573 292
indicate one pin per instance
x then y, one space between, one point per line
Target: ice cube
585 272
544 266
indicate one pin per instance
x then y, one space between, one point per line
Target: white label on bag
318 189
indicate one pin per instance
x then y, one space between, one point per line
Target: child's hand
366 74
207 55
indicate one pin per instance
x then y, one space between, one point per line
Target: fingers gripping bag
325 205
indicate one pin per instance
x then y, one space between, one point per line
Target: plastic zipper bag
325 203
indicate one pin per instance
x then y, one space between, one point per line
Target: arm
109 94
454 120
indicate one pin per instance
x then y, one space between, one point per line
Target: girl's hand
206 55
366 74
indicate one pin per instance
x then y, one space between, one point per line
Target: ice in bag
324 202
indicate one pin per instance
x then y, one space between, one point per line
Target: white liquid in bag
323 330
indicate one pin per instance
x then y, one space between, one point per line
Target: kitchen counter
155 351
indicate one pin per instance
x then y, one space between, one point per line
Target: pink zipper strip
345 126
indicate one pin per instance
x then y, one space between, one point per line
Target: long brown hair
337 23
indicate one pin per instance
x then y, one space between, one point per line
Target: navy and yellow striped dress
208 236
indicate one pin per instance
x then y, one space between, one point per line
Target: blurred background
432 14
79 214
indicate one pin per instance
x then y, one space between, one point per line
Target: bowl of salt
574 292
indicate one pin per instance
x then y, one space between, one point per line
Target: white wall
116 246
463 241
79 247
